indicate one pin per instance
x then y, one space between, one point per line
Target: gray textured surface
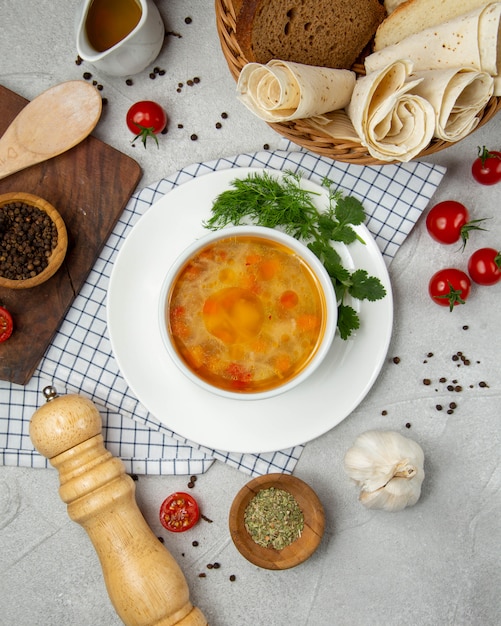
436 563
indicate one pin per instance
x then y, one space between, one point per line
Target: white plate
248 426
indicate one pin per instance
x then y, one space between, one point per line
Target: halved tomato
179 512
6 324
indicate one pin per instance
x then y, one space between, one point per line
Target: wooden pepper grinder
144 582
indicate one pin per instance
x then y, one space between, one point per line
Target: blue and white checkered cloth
80 359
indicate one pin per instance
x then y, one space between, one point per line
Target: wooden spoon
52 123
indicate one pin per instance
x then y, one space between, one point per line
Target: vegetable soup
246 314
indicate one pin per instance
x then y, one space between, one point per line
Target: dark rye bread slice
326 33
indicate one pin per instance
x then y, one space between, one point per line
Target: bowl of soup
247 312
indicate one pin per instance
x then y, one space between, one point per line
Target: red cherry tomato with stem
6 324
179 512
486 168
449 287
484 266
146 119
449 221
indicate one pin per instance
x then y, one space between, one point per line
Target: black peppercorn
27 238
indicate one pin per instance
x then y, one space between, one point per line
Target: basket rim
301 132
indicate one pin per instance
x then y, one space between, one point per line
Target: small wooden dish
58 253
296 552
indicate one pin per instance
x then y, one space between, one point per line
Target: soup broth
110 21
246 314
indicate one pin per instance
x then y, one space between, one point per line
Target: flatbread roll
413 16
280 90
470 40
457 96
393 124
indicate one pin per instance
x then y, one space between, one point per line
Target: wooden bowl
302 132
58 253
296 552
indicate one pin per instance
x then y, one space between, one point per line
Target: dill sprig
264 200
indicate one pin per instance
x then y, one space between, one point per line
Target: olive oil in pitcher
110 21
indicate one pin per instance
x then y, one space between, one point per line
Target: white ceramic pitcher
134 52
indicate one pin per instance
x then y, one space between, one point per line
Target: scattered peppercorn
426 381
384 412
180 126
202 575
465 327
209 566
194 544
196 80
189 82
266 146
439 407
408 425
188 20
396 360
152 75
193 137
216 565
233 578
191 484
482 384
134 477
79 60
453 405
224 116
161 539
87 75
129 82
219 125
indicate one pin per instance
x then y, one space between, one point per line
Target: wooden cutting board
89 185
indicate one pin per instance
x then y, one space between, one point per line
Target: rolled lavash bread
393 124
414 16
470 40
457 95
281 91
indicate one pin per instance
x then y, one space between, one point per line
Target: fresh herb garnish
267 201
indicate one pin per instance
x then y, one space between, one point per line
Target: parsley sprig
267 201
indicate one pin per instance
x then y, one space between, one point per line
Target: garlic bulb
388 469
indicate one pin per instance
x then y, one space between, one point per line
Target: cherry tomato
449 221
484 266
179 512
449 287
6 324
486 169
146 119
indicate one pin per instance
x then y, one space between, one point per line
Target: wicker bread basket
301 132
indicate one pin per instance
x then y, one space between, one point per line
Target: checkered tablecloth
80 359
